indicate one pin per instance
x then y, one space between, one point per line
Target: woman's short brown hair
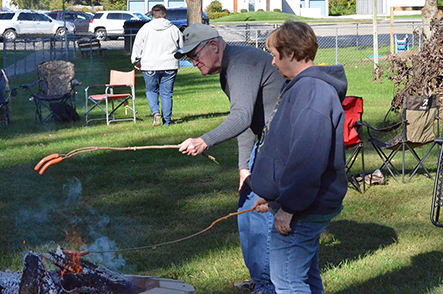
294 37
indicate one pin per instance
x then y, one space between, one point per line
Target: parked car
178 17
21 23
108 23
79 18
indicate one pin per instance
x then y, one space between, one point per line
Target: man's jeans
160 82
255 237
294 259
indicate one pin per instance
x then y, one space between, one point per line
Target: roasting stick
56 158
86 252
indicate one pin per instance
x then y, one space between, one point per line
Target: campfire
76 275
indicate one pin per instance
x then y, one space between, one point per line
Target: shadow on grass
349 240
423 275
195 117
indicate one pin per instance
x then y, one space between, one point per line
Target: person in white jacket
153 54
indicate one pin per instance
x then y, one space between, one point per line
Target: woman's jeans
294 259
160 82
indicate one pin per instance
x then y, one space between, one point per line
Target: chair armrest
75 83
118 86
384 129
96 86
12 92
27 87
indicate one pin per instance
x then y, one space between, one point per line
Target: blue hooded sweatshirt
300 161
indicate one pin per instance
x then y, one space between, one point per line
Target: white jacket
155 45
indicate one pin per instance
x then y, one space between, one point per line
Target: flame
75 242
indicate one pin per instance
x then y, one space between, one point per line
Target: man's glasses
196 56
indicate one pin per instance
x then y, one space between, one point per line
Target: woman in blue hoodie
299 170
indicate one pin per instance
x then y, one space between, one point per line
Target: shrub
85 9
277 10
260 9
342 7
215 15
243 10
215 6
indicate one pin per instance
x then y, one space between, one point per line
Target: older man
252 85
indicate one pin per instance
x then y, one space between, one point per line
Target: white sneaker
157 120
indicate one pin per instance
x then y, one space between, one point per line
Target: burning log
35 278
98 283
80 276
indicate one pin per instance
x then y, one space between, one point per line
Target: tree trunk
429 11
194 11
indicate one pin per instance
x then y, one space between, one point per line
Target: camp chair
55 99
5 98
437 197
353 109
419 122
118 80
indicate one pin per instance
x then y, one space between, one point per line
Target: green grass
270 16
383 242
257 16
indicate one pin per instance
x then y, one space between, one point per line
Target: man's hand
192 146
245 178
282 222
261 205
137 66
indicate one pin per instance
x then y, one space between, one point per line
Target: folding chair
118 80
55 99
353 109
5 109
437 197
420 126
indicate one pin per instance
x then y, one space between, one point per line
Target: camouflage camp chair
55 99
420 126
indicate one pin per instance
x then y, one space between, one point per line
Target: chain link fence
347 44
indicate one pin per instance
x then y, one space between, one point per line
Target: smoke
108 259
73 191
47 220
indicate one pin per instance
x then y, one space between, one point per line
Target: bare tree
418 73
194 11
429 11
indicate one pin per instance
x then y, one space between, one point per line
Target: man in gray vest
252 85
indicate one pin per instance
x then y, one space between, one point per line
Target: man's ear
213 45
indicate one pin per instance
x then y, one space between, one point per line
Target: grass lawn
270 16
383 242
257 16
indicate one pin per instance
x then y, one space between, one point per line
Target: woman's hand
261 205
282 222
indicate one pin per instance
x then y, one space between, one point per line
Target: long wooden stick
161 244
49 160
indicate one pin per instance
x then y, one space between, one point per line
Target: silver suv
108 23
20 23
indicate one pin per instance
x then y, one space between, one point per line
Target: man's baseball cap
194 35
